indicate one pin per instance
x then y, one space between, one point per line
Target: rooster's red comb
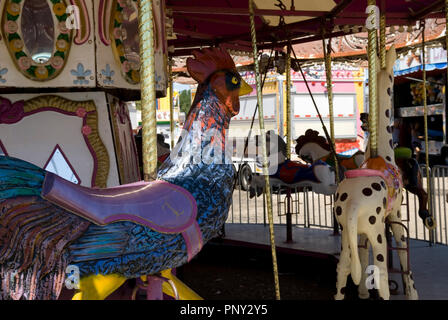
207 61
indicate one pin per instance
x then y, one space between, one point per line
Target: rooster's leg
98 287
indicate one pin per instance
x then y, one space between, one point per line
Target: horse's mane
311 136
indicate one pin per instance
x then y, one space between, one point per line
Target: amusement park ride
71 197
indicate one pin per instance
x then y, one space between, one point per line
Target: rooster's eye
233 81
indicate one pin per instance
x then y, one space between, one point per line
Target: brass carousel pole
170 75
383 40
425 119
373 94
148 92
263 147
288 102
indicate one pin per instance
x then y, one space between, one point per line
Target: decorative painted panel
32 125
125 147
47 42
118 58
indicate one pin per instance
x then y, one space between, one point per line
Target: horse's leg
400 239
343 268
377 238
364 246
98 287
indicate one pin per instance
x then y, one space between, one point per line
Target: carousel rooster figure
48 224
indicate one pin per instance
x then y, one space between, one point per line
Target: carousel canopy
205 23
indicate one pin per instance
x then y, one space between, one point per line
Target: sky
180 87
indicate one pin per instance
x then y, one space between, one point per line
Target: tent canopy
205 23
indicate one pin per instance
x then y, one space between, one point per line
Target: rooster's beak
245 88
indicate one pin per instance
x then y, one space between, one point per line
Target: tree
185 101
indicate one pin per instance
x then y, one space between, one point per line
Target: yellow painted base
99 287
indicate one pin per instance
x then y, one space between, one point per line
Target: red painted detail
3 148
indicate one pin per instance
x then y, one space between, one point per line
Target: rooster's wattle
47 223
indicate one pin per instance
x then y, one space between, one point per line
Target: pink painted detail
11 112
391 176
86 130
103 26
58 147
193 240
154 289
3 148
81 112
356 173
24 63
84 14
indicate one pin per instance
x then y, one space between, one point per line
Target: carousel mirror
38 30
129 34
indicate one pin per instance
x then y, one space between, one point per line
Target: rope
263 146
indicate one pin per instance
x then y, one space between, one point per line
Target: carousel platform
428 263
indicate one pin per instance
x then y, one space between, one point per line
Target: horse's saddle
378 167
159 205
292 172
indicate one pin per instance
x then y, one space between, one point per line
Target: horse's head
275 148
312 147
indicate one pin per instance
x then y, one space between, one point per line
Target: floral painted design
107 73
3 71
11 112
81 75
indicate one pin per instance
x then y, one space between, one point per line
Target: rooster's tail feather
34 235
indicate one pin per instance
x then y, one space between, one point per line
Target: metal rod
148 91
373 101
264 152
327 55
425 121
170 71
288 102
